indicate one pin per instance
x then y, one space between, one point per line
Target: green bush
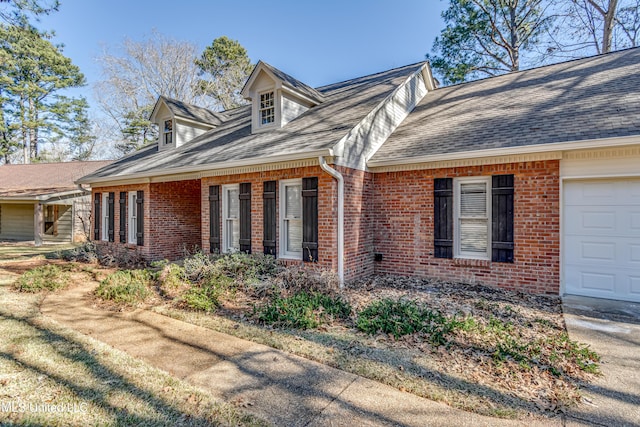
304 310
125 286
84 253
172 280
206 295
47 277
402 317
246 267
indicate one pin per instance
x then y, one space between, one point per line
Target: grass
44 364
13 252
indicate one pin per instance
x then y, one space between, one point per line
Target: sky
317 42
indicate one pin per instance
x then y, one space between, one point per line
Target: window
168 132
231 218
472 213
291 218
267 109
105 217
133 217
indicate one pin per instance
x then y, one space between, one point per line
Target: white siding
291 109
369 135
16 222
185 132
614 162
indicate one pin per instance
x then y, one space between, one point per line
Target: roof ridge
372 74
512 73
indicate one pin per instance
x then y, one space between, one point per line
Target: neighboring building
40 202
528 181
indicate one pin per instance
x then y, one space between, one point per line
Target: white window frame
458 253
283 220
132 217
105 217
261 109
164 132
226 245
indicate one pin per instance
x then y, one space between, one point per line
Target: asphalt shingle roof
188 111
321 127
40 179
590 98
295 83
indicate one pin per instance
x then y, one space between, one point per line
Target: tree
17 12
487 37
133 81
224 68
588 27
33 77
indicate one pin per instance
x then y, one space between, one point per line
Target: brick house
527 181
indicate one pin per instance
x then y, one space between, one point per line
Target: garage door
601 246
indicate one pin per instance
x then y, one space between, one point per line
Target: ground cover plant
486 350
45 365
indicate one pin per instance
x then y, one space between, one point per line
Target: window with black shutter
245 217
123 217
269 217
140 218
96 216
502 218
112 201
214 219
310 219
443 217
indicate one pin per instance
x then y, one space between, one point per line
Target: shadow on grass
161 411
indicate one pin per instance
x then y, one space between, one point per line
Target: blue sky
318 42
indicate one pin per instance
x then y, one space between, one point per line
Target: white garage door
601 251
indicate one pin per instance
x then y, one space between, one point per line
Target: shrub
401 317
246 267
47 277
125 286
172 280
197 267
205 296
304 310
292 280
85 253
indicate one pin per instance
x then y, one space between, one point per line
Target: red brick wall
327 208
171 217
358 223
403 206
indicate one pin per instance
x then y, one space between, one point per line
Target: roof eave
210 167
527 149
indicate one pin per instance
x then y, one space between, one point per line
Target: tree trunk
515 48
33 143
609 22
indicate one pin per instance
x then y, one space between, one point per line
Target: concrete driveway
612 329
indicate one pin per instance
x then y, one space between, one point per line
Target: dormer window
168 132
267 109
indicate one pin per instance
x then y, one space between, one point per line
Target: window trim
132 218
458 253
104 217
165 133
273 107
282 188
225 204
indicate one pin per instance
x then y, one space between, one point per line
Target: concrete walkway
612 329
284 389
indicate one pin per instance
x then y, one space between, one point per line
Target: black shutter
96 216
112 220
443 217
140 218
269 217
310 219
502 218
123 217
245 217
214 219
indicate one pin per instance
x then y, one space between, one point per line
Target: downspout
334 173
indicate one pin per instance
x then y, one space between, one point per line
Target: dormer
179 122
276 97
